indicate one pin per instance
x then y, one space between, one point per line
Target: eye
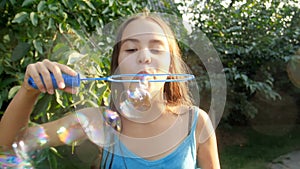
131 50
156 51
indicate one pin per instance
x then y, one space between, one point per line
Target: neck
152 128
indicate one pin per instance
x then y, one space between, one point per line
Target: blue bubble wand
74 81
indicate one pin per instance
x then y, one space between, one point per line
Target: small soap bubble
136 100
139 98
133 95
8 159
99 125
32 138
29 144
112 119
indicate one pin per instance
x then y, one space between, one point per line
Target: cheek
124 68
164 63
125 64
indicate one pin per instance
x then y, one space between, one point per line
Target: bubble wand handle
72 81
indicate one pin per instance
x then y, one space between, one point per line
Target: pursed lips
146 77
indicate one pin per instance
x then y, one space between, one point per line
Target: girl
169 135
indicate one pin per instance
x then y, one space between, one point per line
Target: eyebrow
129 40
156 41
152 41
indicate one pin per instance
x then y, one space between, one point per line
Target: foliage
255 40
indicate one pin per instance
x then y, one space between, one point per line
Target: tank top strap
193 118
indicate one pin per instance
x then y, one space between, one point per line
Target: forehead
143 28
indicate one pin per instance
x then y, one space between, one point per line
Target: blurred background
258 44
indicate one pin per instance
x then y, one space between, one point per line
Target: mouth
144 75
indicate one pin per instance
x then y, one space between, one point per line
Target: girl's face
144 49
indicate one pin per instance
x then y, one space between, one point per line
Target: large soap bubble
29 144
98 125
139 97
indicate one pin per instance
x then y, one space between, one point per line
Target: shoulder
202 115
204 127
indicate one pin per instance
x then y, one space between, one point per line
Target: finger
42 68
71 90
67 69
55 69
32 72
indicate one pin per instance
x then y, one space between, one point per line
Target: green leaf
69 4
38 46
90 5
27 3
41 6
106 10
92 103
51 24
12 92
42 106
111 2
52 160
34 18
58 98
20 17
20 50
61 27
53 7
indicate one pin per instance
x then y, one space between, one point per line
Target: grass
249 149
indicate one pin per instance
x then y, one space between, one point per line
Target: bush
255 40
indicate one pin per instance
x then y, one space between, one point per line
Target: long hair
175 93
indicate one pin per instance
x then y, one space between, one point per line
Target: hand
44 68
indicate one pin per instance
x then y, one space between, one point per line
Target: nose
144 57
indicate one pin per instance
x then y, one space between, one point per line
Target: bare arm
207 151
17 114
208 154
65 130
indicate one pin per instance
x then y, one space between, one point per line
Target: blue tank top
183 157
